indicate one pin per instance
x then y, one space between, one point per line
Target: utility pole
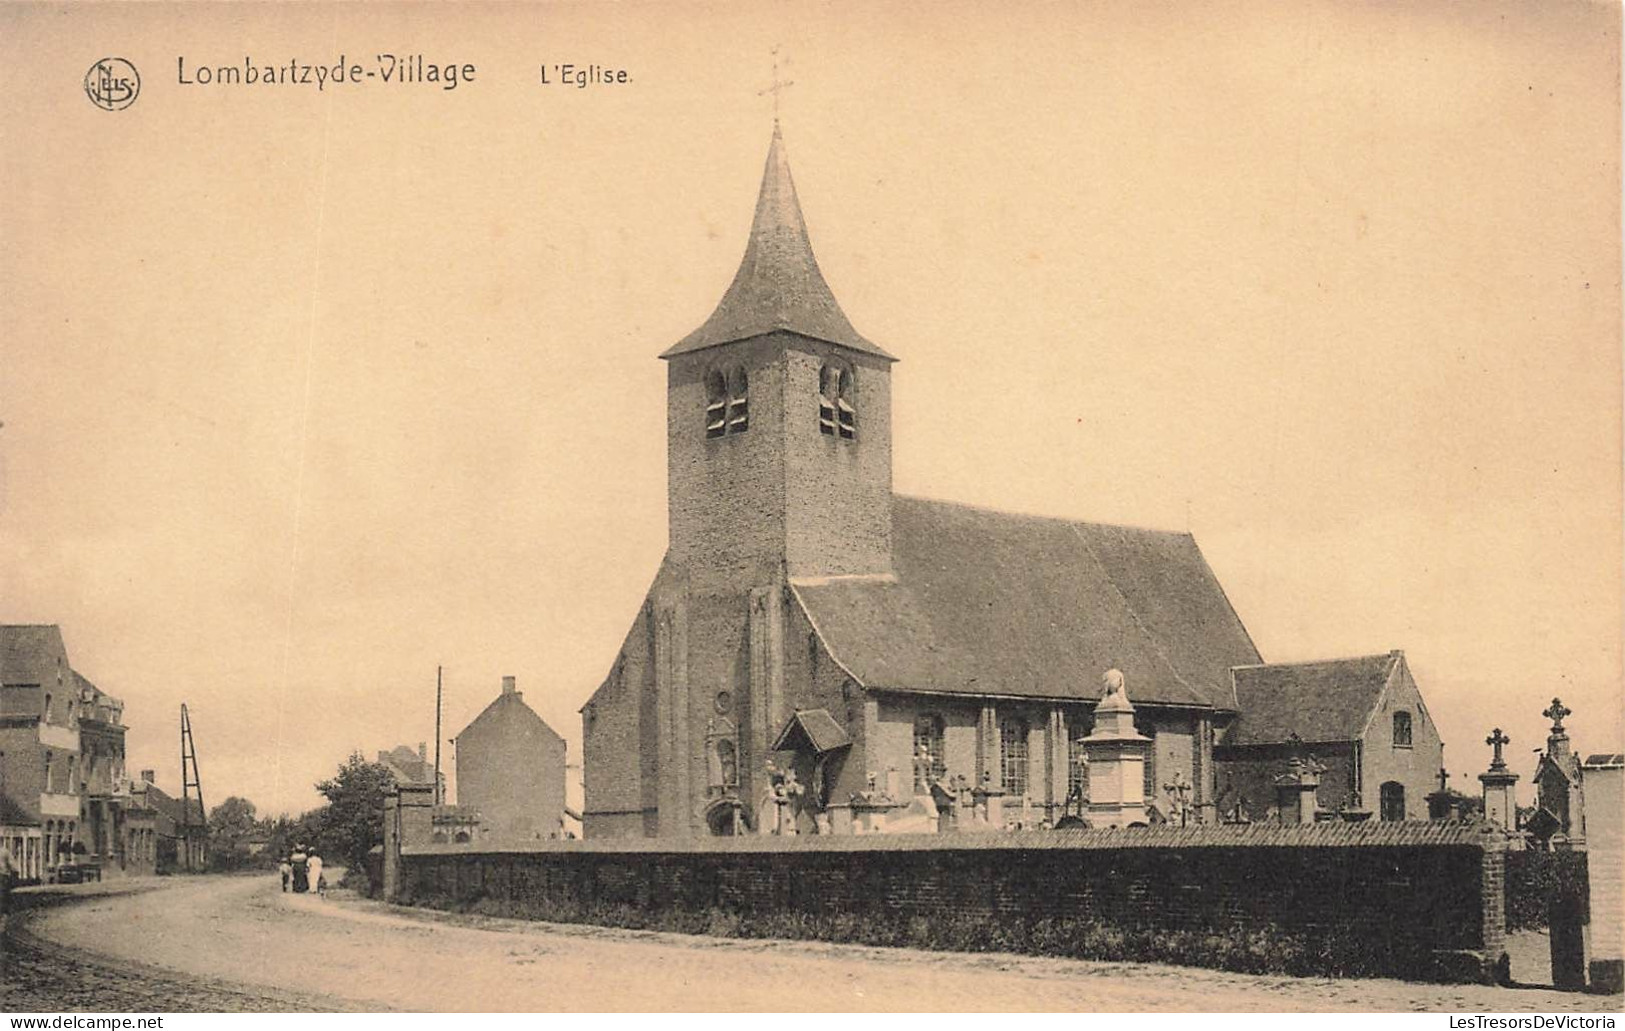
438 681
190 781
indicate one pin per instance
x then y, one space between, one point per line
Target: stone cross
779 85
1496 741
1555 712
1179 791
1444 776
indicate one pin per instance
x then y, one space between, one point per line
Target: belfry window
716 404
836 415
738 402
727 402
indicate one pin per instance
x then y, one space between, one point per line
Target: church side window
928 747
1149 784
716 404
1402 729
738 401
1013 754
1077 767
837 417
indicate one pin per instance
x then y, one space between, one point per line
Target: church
819 655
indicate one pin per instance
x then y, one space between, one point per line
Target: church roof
778 285
1317 701
990 603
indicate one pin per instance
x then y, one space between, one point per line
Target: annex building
817 654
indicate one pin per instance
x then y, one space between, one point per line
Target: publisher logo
112 84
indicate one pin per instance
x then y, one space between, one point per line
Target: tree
353 820
232 823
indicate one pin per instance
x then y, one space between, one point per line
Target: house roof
1317 701
29 654
405 764
990 603
508 706
778 285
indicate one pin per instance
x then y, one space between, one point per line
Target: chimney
509 686
423 751
150 776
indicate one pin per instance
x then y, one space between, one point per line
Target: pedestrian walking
286 868
301 869
314 872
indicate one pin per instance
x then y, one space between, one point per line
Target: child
287 874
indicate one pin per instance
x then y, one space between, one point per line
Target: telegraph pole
438 679
190 781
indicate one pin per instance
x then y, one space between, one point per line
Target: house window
1077 766
1402 729
928 749
47 713
1013 755
1393 802
837 417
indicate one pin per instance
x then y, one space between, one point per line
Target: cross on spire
1497 740
779 86
1444 777
1555 712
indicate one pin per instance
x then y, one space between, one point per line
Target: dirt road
239 943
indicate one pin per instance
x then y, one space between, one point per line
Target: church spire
778 285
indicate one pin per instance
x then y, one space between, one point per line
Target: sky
307 392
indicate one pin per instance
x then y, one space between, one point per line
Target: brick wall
1407 900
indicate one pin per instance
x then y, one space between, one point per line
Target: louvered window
716 404
727 402
738 402
837 416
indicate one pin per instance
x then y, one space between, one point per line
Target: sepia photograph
802 508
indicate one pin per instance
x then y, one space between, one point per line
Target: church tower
778 420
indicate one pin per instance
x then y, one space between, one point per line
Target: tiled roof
820 728
990 603
509 707
778 285
1317 701
29 654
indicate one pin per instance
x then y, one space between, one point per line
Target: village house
817 654
409 767
176 835
65 798
510 772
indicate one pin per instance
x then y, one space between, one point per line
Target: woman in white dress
314 865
